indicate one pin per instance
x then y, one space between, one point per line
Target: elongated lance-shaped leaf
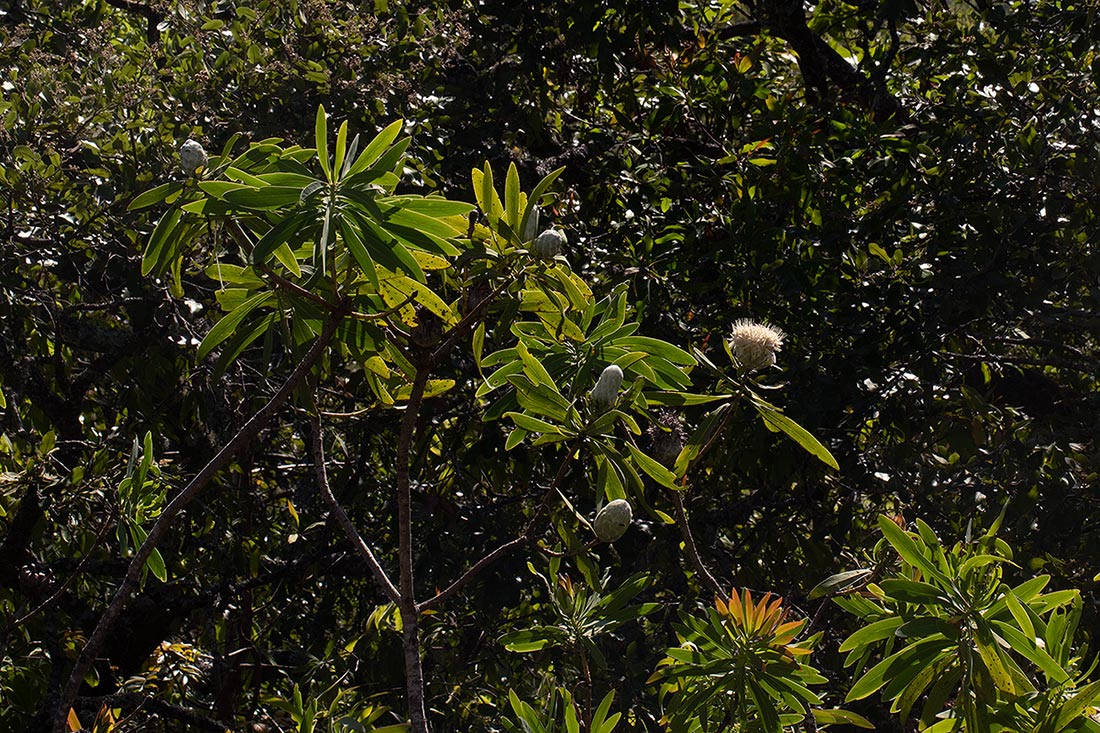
375 148
320 131
511 198
910 552
341 147
164 192
777 421
533 200
227 325
160 249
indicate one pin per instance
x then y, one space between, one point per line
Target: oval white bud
549 244
607 387
192 157
613 520
532 227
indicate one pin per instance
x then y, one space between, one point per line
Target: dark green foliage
922 223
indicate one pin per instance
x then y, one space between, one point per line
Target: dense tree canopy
330 358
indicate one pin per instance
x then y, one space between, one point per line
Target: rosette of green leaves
318 229
582 614
983 655
739 667
140 500
559 715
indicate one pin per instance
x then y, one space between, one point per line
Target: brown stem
342 516
414 671
689 545
282 282
133 575
586 718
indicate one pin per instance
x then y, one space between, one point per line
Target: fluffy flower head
755 344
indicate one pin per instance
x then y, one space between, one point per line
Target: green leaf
159 251
478 345
320 131
656 347
991 656
911 591
511 198
287 228
777 421
894 664
536 194
1026 647
341 146
486 195
1076 705
1020 615
267 198
841 717
375 148
533 424
227 325
600 722
358 251
155 563
839 583
904 545
515 438
877 631
155 195
653 468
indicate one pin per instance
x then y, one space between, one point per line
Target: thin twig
342 516
525 537
68 581
689 544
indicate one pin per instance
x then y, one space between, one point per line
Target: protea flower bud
606 391
755 344
532 227
192 157
613 520
549 244
666 437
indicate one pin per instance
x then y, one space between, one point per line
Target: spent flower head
192 157
755 344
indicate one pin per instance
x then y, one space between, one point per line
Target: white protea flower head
192 157
613 520
755 344
606 391
532 227
549 244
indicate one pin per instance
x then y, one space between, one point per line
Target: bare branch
342 517
689 545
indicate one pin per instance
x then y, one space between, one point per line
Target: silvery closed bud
613 520
549 244
606 390
192 157
532 227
